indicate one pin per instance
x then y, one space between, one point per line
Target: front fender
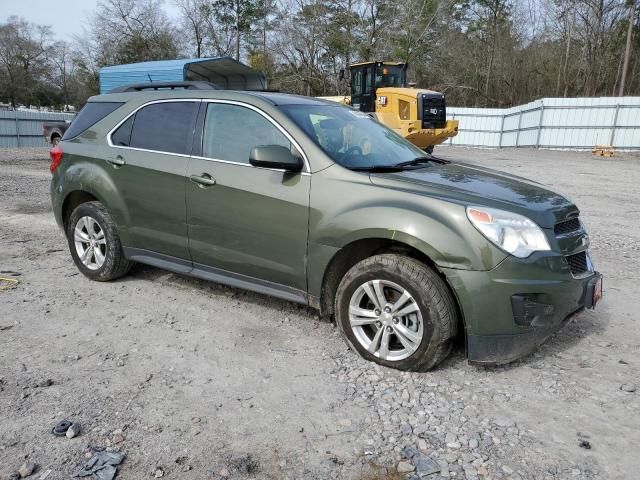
347 207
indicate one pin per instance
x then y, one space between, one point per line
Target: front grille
568 226
577 263
433 111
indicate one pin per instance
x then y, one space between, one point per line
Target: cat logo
382 100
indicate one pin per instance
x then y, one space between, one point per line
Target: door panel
152 183
253 221
153 187
243 219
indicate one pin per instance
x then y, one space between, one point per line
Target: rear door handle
118 161
203 180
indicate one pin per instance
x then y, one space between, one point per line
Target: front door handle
118 161
203 180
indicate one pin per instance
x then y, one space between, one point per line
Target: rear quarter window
122 136
90 114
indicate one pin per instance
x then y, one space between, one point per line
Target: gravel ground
190 379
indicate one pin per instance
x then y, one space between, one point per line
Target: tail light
56 157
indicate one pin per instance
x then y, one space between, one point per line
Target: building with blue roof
225 72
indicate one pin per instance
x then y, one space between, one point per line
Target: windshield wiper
378 168
398 167
421 160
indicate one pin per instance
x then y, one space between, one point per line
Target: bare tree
194 22
24 50
627 50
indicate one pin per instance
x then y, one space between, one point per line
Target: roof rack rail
138 87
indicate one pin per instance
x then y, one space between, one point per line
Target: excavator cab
366 77
417 114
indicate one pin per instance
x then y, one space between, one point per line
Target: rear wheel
94 243
396 311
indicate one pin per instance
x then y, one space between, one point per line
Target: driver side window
231 131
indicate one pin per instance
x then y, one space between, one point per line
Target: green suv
316 203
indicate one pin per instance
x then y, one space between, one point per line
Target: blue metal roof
225 72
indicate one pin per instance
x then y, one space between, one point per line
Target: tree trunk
238 30
627 50
562 73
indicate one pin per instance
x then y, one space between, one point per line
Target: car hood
473 185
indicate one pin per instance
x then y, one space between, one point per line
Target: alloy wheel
90 243
386 320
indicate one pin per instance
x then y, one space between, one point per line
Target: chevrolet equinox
317 203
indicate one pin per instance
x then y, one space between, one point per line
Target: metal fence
571 123
21 128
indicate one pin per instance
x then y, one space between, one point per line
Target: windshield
351 138
389 76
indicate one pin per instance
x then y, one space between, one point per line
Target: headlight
511 232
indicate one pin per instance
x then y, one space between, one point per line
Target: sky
66 17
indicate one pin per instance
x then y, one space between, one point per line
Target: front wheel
396 311
94 243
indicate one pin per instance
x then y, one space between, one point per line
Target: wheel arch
360 249
80 181
71 202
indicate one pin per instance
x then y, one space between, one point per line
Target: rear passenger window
231 131
164 127
90 114
122 136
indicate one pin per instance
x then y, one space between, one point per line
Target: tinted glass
90 114
351 138
231 131
164 127
389 76
122 136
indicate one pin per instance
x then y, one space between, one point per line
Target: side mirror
275 156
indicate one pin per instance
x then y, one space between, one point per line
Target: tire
428 302
106 260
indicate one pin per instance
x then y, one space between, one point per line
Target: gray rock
26 469
507 469
73 431
503 422
473 444
409 452
405 428
425 465
405 467
628 387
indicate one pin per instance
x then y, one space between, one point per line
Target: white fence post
540 124
615 124
15 112
518 132
501 131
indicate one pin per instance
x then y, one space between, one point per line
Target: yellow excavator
419 115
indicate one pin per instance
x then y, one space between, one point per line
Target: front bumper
510 310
